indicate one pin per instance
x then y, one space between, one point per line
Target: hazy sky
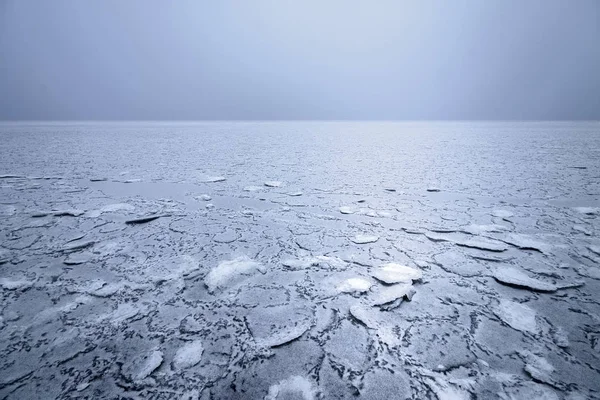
302 59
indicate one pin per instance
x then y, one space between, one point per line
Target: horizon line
41 121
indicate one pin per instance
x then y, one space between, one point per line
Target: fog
228 60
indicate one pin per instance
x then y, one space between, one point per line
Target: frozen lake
300 260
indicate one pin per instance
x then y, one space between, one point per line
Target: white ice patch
538 367
294 387
513 276
252 188
213 179
227 272
15 284
587 210
396 273
502 214
388 295
354 285
117 207
363 239
188 355
140 367
347 210
518 316
272 184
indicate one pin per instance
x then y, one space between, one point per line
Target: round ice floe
395 273
354 285
228 272
188 355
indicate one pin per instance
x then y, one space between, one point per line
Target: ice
526 242
284 336
78 258
483 244
364 239
560 337
587 210
78 245
300 264
537 367
188 355
594 249
117 207
518 316
274 282
394 273
391 296
446 390
15 284
347 210
502 213
214 179
294 387
140 367
143 220
514 277
530 391
273 184
354 285
229 272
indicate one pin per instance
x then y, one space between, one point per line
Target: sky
298 60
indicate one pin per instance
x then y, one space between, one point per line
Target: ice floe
364 239
188 355
517 315
229 272
394 273
354 285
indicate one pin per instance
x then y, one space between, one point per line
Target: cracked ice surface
157 261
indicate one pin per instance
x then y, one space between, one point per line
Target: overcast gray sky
302 59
